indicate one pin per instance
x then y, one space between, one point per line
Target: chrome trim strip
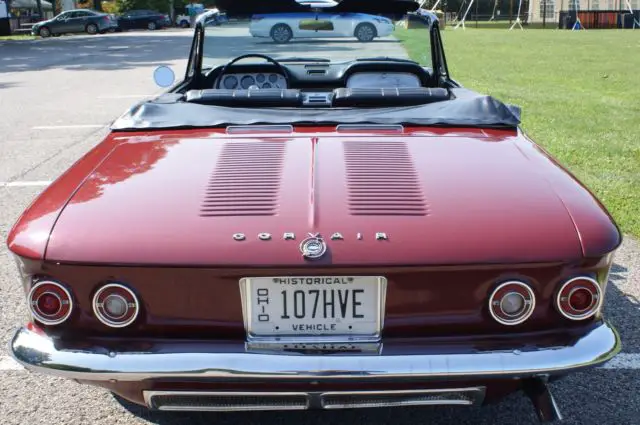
396 128
38 352
259 128
403 398
471 396
150 395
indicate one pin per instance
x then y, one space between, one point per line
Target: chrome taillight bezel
66 305
504 289
133 305
562 298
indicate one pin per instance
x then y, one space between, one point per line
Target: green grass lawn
16 37
580 98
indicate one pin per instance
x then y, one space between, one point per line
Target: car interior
308 82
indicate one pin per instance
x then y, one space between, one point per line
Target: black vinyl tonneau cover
467 108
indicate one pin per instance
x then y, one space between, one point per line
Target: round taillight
579 298
511 303
115 305
50 302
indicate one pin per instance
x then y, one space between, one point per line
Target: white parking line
629 361
624 361
66 127
25 184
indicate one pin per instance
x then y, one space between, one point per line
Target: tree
159 5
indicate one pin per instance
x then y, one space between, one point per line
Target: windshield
318 31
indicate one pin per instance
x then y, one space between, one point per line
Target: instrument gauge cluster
259 80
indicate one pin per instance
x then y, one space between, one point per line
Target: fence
598 19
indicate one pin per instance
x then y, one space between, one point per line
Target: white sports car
317 3
282 27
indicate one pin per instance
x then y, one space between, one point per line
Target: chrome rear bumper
38 352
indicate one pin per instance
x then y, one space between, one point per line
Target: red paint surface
420 301
495 203
492 198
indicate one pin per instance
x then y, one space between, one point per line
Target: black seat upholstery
253 97
402 96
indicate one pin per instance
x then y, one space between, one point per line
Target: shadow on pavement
101 52
128 50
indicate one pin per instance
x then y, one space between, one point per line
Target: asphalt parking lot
57 97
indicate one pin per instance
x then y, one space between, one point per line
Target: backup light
115 305
579 298
50 302
512 303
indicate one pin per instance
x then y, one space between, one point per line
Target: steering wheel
251 55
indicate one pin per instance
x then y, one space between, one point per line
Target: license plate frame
380 282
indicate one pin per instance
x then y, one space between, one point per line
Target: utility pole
510 11
544 13
477 13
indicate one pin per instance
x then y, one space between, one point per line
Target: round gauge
247 81
260 78
273 78
230 82
266 86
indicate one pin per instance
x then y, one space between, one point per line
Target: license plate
338 308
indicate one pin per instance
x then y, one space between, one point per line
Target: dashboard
383 80
320 76
259 80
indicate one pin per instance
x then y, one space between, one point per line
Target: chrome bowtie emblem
313 247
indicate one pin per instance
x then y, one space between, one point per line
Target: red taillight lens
579 298
511 303
115 305
50 302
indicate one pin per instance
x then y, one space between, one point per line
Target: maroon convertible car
325 223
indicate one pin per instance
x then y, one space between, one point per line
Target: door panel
78 24
343 24
62 24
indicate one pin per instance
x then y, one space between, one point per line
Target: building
551 8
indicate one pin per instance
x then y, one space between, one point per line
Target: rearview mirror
164 76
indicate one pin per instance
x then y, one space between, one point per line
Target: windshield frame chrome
195 71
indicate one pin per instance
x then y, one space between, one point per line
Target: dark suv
141 19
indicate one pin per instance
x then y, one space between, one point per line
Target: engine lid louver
246 180
382 180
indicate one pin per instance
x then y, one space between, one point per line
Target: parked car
317 3
143 19
184 21
283 27
74 21
338 230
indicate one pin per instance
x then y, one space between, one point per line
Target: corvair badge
313 247
288 236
